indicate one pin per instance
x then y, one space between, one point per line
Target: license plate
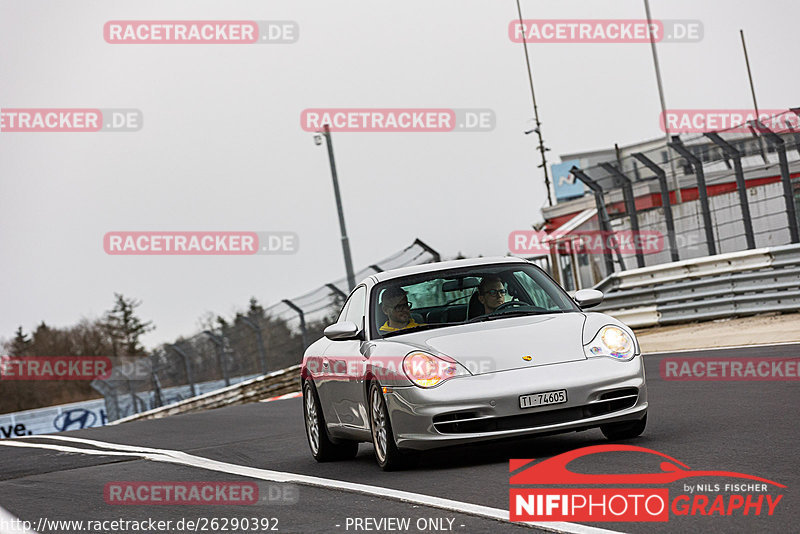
543 399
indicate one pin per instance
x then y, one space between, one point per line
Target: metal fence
252 343
739 190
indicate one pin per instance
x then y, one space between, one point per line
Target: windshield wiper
516 313
417 328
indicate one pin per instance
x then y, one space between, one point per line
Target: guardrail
269 385
713 287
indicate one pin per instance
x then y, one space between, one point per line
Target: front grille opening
454 417
612 401
624 392
454 422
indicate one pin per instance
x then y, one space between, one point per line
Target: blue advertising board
565 184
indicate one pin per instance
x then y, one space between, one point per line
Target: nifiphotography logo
623 499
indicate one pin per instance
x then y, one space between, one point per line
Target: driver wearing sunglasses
491 293
394 303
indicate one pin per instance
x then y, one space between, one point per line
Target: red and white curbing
286 396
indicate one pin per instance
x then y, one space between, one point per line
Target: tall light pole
538 127
675 184
749 74
753 92
348 262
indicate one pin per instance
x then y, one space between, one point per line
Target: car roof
443 266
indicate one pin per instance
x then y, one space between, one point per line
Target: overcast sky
222 148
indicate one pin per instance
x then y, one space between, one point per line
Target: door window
354 309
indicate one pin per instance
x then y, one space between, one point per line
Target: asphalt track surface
744 426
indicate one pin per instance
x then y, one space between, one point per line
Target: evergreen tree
125 328
21 342
256 310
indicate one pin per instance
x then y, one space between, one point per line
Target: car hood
503 344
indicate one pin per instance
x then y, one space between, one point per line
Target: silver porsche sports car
464 351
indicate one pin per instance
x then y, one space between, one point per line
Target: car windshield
459 296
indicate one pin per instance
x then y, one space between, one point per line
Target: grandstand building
772 220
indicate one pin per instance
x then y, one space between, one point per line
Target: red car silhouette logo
554 470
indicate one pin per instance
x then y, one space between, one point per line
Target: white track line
11 525
182 458
293 395
723 348
91 452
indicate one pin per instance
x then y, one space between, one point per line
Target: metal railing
726 285
272 384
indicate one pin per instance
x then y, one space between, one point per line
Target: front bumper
485 407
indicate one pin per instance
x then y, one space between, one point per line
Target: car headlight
613 342
427 370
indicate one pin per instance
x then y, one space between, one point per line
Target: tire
618 431
323 449
388 456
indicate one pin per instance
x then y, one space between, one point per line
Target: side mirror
586 298
341 331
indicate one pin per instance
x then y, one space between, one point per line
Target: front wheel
617 431
322 448
387 454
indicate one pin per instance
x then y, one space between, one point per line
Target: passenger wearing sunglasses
491 293
394 303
